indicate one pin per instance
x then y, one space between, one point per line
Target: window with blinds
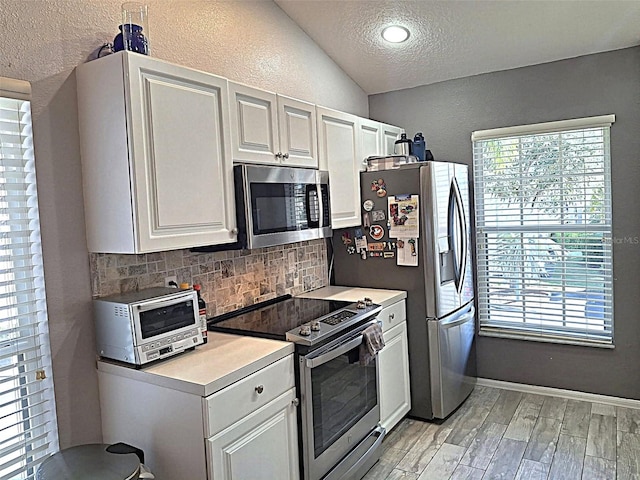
28 430
543 231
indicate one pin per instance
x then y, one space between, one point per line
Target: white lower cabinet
395 395
245 431
261 446
251 426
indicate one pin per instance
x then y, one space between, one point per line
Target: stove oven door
340 409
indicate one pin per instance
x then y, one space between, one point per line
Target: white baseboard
558 392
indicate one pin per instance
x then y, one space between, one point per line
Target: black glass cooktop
273 319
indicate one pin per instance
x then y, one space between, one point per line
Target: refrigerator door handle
458 245
465 235
459 319
451 233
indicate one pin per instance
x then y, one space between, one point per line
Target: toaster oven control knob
305 330
315 326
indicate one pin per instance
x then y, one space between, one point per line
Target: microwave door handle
307 205
307 193
321 206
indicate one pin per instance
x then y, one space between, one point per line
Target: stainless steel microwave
278 205
148 325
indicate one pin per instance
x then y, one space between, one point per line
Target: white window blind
543 231
28 430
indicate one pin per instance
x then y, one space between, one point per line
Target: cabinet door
179 149
338 153
298 135
254 125
261 446
395 398
370 133
389 136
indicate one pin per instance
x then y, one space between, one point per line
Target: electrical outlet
171 281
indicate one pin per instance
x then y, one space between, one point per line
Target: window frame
515 329
29 429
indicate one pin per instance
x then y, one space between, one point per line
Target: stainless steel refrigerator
440 287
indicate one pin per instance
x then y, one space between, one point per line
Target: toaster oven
148 325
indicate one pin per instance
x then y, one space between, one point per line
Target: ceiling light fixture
395 34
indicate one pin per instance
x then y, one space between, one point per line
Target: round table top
89 461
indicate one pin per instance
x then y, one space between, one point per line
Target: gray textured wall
599 84
42 41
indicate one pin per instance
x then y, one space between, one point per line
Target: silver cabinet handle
295 402
279 156
392 316
285 156
259 389
234 231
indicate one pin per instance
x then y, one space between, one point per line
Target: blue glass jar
419 146
131 38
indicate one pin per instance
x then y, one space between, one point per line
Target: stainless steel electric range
339 415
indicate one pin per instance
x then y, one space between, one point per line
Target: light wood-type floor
503 434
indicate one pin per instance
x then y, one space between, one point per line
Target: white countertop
353 294
225 359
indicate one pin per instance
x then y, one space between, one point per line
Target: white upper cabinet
298 132
272 129
339 154
254 120
370 133
344 142
157 169
389 135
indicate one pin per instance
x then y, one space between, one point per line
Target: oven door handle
333 353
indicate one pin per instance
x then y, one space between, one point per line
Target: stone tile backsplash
230 280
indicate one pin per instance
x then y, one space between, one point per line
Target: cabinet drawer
230 404
393 315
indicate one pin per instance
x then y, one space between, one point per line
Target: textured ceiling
454 38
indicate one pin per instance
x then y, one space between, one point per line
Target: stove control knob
368 302
305 330
315 326
361 304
